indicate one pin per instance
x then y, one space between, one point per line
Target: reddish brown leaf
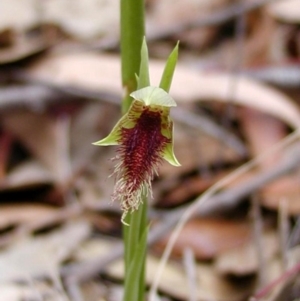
209 237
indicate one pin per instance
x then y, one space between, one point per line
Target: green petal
127 121
168 152
154 96
113 137
169 156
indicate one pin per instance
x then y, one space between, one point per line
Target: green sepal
167 76
113 137
168 131
169 156
143 79
154 96
127 121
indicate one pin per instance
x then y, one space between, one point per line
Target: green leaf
168 73
154 96
143 78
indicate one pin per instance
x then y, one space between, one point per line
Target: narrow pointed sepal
168 73
127 121
113 137
168 152
169 155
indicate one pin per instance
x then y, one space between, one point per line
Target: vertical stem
143 228
132 33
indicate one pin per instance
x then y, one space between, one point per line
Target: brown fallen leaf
21 43
86 127
286 189
36 257
262 132
45 137
162 14
209 238
188 188
23 47
243 260
197 149
257 46
101 72
29 291
84 19
16 292
24 214
288 10
26 175
27 15
6 142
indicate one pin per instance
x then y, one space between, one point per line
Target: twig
191 273
230 12
229 198
6 140
66 213
73 275
286 76
76 273
295 235
257 222
214 19
203 123
285 276
29 96
284 231
74 291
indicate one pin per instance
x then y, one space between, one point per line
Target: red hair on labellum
139 154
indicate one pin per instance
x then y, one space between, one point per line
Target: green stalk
132 34
135 75
136 82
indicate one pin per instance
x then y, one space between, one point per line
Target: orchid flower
145 137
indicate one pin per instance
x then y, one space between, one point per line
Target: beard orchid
144 136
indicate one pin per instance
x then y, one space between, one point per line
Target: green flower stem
135 75
144 135
132 34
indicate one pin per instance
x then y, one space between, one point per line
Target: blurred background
237 87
